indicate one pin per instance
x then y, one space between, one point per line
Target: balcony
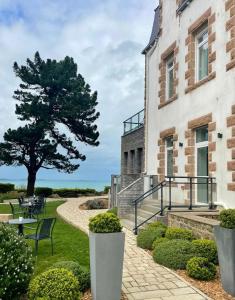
134 122
183 5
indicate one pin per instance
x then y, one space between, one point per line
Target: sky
105 38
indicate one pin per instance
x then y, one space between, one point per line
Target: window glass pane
170 162
169 142
171 84
202 134
203 61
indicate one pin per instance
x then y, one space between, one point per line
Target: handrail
134 122
169 180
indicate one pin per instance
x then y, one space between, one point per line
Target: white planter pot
106 264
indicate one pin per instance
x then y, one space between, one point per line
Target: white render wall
216 96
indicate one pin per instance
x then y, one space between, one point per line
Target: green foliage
44 191
10 196
227 218
200 268
173 254
54 284
113 210
74 193
105 223
106 189
206 249
174 233
159 241
6 187
156 224
80 272
146 237
51 95
16 263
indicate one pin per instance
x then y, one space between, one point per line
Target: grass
70 243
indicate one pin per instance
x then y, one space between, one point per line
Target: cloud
105 38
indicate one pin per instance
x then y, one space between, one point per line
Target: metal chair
15 211
36 209
44 231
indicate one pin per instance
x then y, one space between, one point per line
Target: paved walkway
143 279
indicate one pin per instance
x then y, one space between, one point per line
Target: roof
155 31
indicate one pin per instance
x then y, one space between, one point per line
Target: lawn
70 243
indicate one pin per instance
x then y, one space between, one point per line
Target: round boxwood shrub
105 223
54 284
227 218
200 268
174 233
16 263
80 272
159 241
157 224
206 249
146 237
173 254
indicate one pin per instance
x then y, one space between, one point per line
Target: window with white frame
169 156
202 54
170 77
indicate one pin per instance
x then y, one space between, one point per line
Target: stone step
150 208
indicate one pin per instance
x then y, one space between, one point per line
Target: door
202 164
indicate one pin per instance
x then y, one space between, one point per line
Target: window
170 77
169 156
202 54
202 134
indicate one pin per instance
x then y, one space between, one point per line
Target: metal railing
170 182
134 122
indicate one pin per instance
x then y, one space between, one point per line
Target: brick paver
143 279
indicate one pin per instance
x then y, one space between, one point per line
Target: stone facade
230 28
201 223
231 147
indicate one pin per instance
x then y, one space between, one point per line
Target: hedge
200 268
75 192
174 233
44 191
6 187
206 249
147 236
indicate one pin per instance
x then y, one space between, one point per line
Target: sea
57 184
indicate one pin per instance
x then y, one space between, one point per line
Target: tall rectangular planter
106 264
225 240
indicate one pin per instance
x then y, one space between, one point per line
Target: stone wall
201 223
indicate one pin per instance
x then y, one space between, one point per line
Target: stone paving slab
143 279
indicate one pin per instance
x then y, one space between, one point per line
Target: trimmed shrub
157 224
80 272
54 284
113 210
6 187
174 233
74 193
159 241
206 249
105 223
96 204
200 268
16 263
146 237
173 254
45 191
227 218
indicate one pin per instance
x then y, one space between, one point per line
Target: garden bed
98 203
87 296
212 288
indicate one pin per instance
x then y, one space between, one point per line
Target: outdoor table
21 223
27 204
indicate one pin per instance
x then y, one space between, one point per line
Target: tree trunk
31 182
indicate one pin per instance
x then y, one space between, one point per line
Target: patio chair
15 211
44 231
36 209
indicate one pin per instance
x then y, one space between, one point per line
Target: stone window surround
190 167
171 50
231 146
209 18
162 152
230 28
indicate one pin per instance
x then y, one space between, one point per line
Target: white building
190 99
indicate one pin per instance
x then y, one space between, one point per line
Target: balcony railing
134 122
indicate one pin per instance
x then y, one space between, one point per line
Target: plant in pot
106 256
225 240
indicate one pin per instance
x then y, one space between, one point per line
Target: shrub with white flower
16 263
